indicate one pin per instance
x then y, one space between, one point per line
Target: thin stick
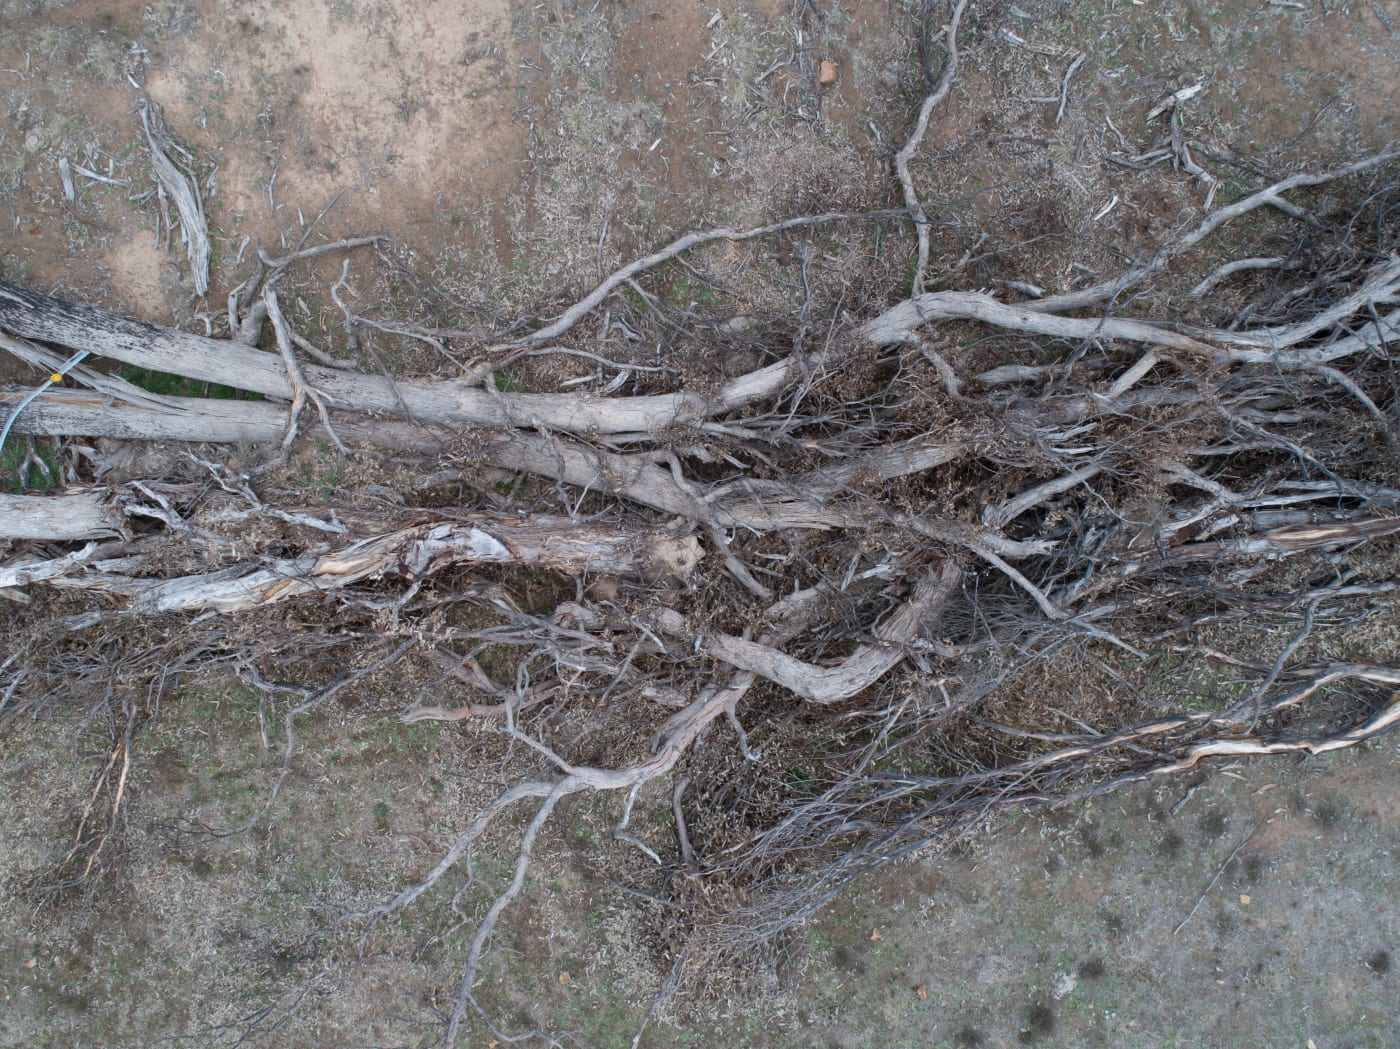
319 250
902 158
1219 871
687 853
1064 86
301 389
585 305
1269 196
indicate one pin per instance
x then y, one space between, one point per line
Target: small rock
827 73
1065 983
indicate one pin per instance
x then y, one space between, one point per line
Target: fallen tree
1065 476
411 554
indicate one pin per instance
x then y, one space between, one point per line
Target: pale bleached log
1275 347
31 315
62 413
69 517
890 461
813 502
75 412
410 554
898 324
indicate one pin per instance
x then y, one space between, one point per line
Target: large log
66 413
805 504
32 315
410 554
69 517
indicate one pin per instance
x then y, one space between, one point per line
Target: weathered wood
854 674
1273 347
183 189
72 516
76 412
411 554
63 413
32 315
810 503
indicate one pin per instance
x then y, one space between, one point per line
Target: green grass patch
16 480
167 385
508 380
684 293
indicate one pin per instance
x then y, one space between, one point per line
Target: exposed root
916 138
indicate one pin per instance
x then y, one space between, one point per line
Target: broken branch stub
854 674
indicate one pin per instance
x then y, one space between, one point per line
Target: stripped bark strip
183 188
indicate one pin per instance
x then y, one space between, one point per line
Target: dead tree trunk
64 518
413 554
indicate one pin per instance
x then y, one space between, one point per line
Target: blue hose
56 377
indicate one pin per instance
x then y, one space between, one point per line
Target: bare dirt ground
513 152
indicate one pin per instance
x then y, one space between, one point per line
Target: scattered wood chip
1065 983
65 173
1245 898
31 963
921 991
827 73
1173 100
565 979
875 935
